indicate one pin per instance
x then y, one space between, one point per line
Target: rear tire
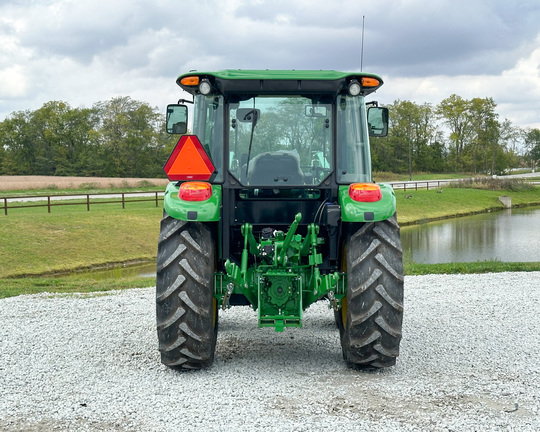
371 316
186 310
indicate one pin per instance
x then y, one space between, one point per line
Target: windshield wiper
254 117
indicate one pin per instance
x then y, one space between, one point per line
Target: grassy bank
491 266
36 243
36 285
426 205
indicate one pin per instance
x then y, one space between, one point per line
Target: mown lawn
424 205
34 242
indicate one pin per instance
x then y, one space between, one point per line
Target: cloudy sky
85 51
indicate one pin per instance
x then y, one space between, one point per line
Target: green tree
413 124
484 142
510 139
47 141
17 140
454 113
478 142
532 143
130 138
120 137
66 135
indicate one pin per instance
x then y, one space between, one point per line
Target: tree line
126 138
457 135
117 138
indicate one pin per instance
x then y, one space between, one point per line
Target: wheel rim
344 299
344 311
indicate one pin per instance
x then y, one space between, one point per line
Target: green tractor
272 205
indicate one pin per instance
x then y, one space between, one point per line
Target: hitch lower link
284 276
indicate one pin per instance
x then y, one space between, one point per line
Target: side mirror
177 117
377 121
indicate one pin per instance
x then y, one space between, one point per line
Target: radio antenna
362 51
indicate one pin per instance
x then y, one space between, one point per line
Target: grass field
426 205
34 242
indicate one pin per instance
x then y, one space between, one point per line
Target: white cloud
84 51
516 91
13 82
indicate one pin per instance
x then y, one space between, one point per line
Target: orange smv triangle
189 161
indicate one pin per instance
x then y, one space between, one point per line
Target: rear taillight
195 191
365 192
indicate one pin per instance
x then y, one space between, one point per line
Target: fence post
49 203
123 203
87 202
156 200
5 206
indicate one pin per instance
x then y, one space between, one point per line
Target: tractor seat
280 168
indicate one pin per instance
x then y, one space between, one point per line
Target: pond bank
38 244
422 206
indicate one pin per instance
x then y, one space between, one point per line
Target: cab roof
281 81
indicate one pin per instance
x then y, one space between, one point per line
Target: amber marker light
365 192
190 81
370 82
195 191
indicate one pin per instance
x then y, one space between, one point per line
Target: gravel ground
469 361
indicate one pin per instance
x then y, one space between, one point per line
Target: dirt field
8 183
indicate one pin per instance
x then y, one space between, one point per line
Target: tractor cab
290 139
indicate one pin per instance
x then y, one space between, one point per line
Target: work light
205 87
354 88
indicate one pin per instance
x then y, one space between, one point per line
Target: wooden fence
50 201
106 198
427 184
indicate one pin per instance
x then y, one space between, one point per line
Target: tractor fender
354 211
197 211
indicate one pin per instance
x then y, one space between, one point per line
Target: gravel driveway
470 360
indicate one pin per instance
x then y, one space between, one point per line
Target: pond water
140 270
510 235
